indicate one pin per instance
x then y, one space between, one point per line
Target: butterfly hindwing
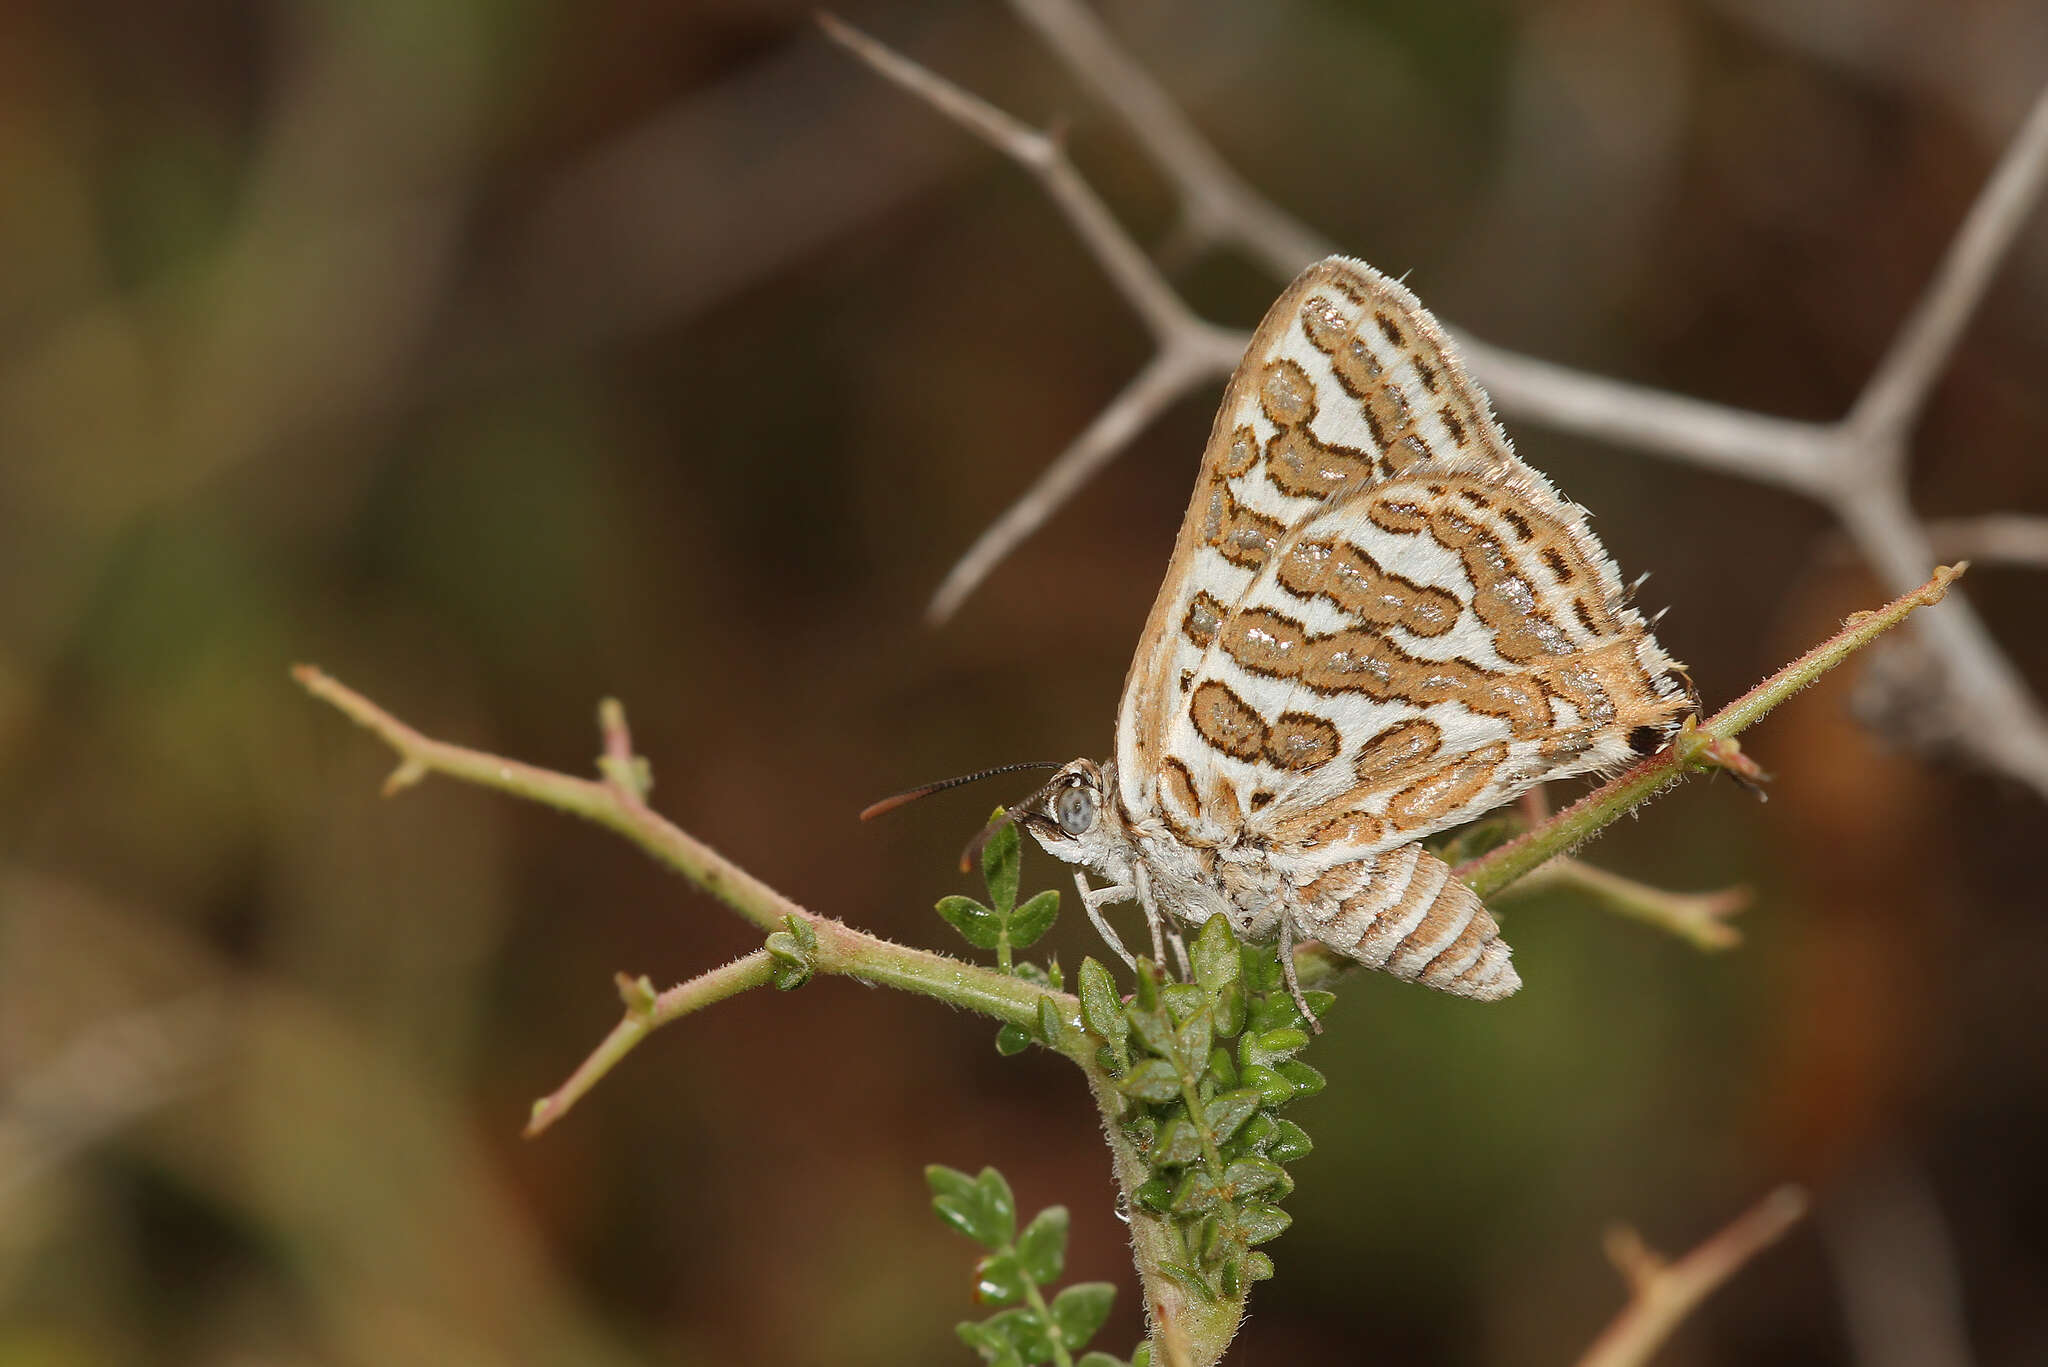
1347 381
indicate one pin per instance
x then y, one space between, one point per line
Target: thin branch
1700 918
1662 1294
1776 451
2018 540
1989 713
1217 204
1129 269
1171 373
835 948
1710 744
1895 1263
593 801
646 1012
1893 398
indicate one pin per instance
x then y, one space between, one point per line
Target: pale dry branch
2009 539
1890 402
1855 467
1662 1294
1129 269
1895 1262
1217 206
1700 918
1171 373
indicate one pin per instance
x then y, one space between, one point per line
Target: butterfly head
1074 819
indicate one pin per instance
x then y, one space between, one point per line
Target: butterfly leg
1091 902
1293 980
1180 954
1152 918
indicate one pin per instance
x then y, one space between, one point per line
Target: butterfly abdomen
1404 913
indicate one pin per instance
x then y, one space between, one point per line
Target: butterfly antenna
890 804
1009 815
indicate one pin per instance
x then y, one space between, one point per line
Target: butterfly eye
1074 809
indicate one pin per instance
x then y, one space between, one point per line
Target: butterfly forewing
1347 381
1377 623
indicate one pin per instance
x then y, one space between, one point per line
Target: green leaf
1230 1277
1214 955
998 1279
1001 860
1102 1008
1277 1045
1307 1081
1251 1175
945 1181
1222 1069
1190 1281
1154 1195
1258 1221
1258 1267
1273 1089
1051 1029
789 965
1178 1145
1033 974
1261 968
1228 1110
1211 1240
1146 989
968 1204
1012 1040
1020 1333
1042 1247
1034 918
1192 1039
1289 1142
1080 1310
1183 1000
1099 1359
1000 1205
1153 1027
1197 1193
978 925
1143 1357
1154 1080
802 931
1230 1009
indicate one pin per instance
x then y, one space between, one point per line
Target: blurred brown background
501 354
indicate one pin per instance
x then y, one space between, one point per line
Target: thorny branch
1856 467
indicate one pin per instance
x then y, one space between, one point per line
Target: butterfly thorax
1083 820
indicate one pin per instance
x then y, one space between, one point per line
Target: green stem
1036 1300
617 803
1185 1329
646 1012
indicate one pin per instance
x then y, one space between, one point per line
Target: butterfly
1378 623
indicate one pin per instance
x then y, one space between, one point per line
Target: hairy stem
617 802
1186 1331
647 1011
1707 746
